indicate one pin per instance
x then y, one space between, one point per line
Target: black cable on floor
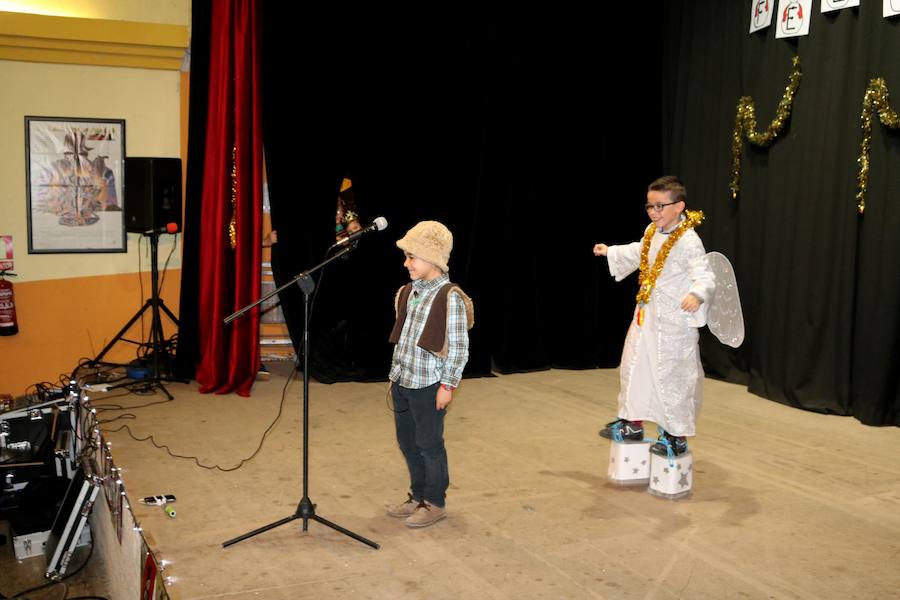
196 460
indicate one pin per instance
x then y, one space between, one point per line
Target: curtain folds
818 282
230 219
488 125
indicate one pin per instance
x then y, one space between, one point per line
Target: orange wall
64 320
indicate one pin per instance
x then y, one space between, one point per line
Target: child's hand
600 249
691 303
444 398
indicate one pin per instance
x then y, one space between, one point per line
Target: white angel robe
661 378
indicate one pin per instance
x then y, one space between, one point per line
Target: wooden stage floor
785 504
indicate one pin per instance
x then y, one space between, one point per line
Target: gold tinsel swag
745 124
232 224
875 102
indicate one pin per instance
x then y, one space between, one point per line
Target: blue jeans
420 433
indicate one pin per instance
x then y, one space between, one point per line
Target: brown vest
434 335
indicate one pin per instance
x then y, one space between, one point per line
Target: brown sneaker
403 509
426 514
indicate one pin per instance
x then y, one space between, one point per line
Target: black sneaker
621 430
667 442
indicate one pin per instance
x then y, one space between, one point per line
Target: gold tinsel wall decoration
875 102
232 227
745 124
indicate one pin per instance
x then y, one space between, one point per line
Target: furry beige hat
430 241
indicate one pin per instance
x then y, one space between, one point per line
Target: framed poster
74 177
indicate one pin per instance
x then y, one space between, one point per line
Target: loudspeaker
152 193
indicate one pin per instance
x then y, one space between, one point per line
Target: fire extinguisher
9 325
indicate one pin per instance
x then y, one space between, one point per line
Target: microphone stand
306 510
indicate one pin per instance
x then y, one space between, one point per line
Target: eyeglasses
658 208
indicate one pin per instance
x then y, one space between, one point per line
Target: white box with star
629 463
671 478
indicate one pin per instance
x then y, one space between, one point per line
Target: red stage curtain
232 188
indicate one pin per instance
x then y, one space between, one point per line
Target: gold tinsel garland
876 101
745 124
648 275
232 226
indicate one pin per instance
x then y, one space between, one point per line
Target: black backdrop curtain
187 350
820 284
495 129
489 126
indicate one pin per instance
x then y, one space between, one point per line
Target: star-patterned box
671 478
629 463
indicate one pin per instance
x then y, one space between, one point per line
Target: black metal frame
154 304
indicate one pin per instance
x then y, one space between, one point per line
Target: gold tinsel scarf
648 275
745 124
876 102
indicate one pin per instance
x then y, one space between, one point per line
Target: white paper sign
830 5
760 14
891 8
793 17
6 252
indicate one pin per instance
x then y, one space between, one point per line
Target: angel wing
724 317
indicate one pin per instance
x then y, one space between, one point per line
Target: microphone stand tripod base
306 510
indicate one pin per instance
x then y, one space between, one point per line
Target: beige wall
68 304
174 12
147 99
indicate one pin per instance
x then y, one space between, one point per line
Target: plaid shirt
415 368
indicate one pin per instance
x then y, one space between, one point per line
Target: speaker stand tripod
154 304
306 510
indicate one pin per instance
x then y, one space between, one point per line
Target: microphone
378 224
167 228
160 500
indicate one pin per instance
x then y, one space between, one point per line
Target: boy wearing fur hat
431 349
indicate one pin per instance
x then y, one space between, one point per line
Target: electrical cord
389 401
141 284
104 407
41 587
195 459
97 372
166 265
